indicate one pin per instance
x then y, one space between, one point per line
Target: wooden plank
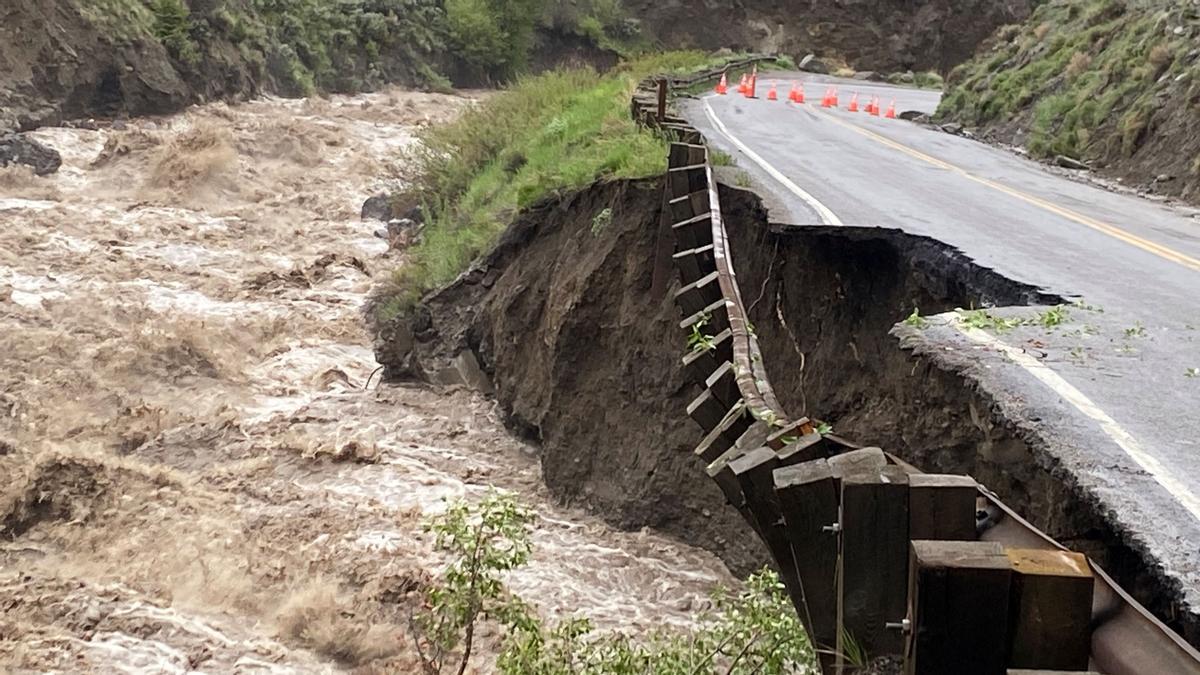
808 501
696 297
726 434
809 447
1051 609
681 208
716 317
687 179
700 363
723 385
874 553
684 154
958 595
941 507
707 411
694 232
865 459
789 432
754 471
694 263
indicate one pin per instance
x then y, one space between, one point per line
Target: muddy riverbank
196 473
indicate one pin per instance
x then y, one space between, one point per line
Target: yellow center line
1100 226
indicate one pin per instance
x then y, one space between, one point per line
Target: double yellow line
1100 226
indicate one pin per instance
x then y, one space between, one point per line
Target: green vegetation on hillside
1081 76
303 46
553 132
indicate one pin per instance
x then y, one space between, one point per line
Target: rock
953 128
908 77
20 149
402 233
1164 178
868 76
415 214
378 207
913 116
1071 163
812 64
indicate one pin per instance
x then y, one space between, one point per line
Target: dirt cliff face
587 363
54 64
887 36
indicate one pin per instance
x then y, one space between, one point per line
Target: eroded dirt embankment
585 361
194 474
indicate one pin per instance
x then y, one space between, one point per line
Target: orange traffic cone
792 93
723 85
854 103
752 87
827 97
891 111
773 92
800 93
874 110
834 101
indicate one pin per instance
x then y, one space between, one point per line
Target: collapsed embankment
587 362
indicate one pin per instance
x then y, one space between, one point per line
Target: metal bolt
904 626
832 529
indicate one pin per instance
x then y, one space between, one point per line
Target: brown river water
193 477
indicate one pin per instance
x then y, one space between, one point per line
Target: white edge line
827 217
1083 404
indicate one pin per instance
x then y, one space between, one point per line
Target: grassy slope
553 132
1102 80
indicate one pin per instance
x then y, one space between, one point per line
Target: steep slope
887 36
1115 83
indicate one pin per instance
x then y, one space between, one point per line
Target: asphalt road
1114 389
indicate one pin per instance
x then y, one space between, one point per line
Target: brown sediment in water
195 476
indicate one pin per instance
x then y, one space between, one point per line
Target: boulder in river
21 149
378 207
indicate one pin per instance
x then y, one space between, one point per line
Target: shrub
751 631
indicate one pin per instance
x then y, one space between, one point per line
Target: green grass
549 133
1081 76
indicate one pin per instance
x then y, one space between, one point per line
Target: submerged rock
378 207
21 149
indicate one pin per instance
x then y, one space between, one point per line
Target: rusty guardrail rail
865 543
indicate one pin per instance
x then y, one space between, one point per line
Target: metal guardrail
799 490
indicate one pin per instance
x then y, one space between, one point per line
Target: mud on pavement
194 473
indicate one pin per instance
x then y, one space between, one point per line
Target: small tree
484 541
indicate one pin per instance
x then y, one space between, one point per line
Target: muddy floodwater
194 472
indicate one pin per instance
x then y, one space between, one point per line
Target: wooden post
662 100
866 460
874 552
941 507
754 472
1051 609
808 499
958 594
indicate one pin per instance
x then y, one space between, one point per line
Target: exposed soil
883 36
586 362
196 473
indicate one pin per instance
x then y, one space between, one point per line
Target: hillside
890 35
64 59
1113 83
69 59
